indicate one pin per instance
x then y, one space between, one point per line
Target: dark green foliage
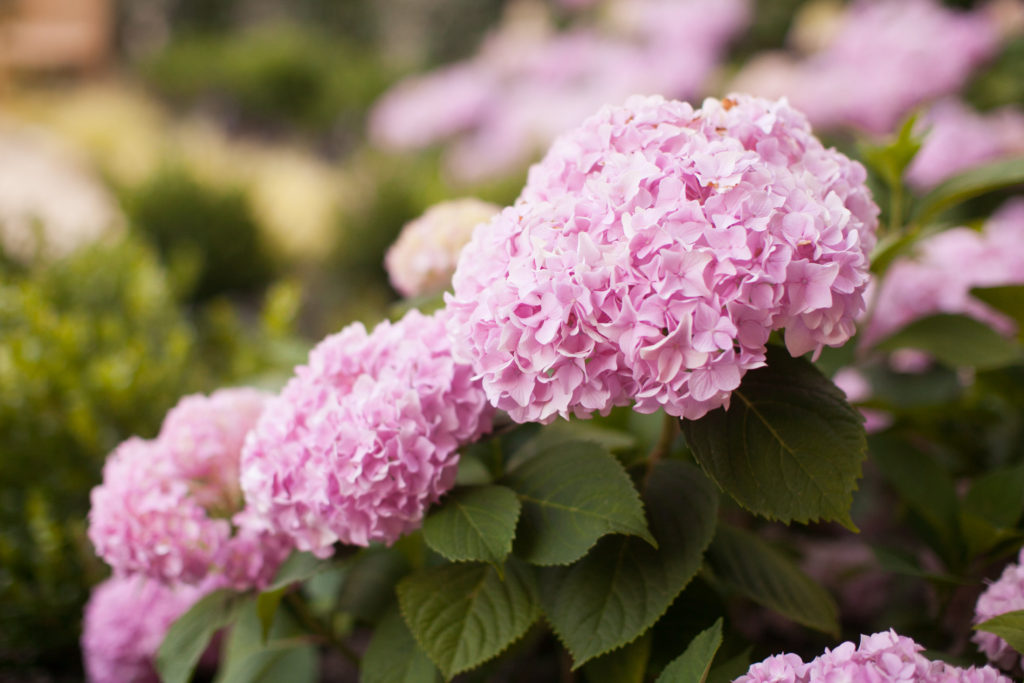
275 74
92 350
207 236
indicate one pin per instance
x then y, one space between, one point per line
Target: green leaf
766 576
730 669
925 487
248 656
694 664
891 160
394 657
1008 300
1008 626
972 183
789 447
298 567
464 614
998 496
369 585
626 665
476 524
190 634
267 603
957 341
624 585
572 493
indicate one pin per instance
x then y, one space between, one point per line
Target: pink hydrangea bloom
422 259
1004 595
886 58
525 86
651 254
939 277
364 437
125 621
171 507
958 138
882 657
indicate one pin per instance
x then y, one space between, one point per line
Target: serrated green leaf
1008 626
957 341
998 496
267 603
623 586
572 493
694 664
789 447
249 657
730 669
626 665
766 576
476 524
1008 300
298 567
464 614
369 584
972 183
925 487
190 634
393 655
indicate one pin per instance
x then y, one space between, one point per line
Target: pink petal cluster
652 253
886 58
125 622
1004 595
526 86
364 437
882 657
171 507
958 138
939 277
422 259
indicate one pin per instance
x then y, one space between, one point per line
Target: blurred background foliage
231 135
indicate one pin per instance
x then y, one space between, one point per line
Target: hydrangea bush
587 454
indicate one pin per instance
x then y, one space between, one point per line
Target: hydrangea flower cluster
886 58
938 279
125 621
651 254
958 138
1004 595
422 259
884 656
529 83
171 507
364 437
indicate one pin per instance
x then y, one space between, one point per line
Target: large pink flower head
1004 595
125 621
651 254
939 277
884 657
171 507
364 437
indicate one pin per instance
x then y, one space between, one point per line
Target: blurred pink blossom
1004 595
886 58
958 138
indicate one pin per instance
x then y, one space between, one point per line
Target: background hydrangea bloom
364 437
529 83
651 254
884 656
1004 595
422 259
125 621
885 58
171 507
939 277
958 138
